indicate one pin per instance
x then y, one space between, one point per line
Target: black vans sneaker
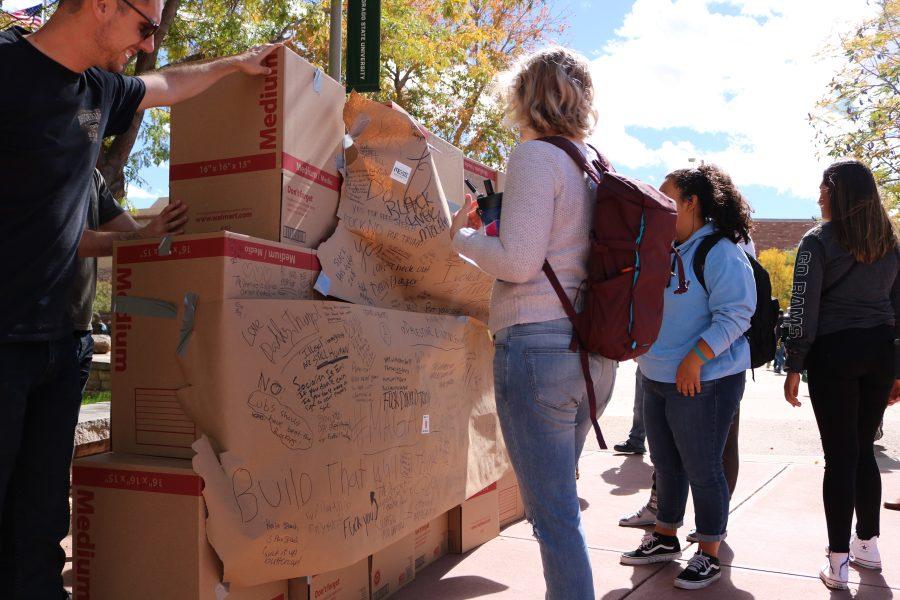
701 571
654 548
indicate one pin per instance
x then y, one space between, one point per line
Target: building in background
783 234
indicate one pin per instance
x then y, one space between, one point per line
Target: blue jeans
544 415
637 436
84 357
779 357
39 403
687 439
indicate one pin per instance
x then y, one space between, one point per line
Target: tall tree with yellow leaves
860 115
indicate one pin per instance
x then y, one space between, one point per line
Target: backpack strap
594 171
575 153
582 353
698 264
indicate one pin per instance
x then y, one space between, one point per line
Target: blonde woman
540 390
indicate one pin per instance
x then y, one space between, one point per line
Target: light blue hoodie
719 317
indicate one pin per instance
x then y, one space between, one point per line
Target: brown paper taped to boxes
146 415
392 246
259 155
341 428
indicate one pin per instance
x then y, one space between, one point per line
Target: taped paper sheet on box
392 246
315 410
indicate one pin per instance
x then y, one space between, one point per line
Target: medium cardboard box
475 521
146 415
392 568
448 162
139 532
259 155
349 583
512 509
431 542
476 172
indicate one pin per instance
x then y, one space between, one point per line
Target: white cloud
135 193
752 76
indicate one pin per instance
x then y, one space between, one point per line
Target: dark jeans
637 436
84 357
687 438
850 377
731 461
39 403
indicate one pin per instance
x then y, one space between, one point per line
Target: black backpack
761 334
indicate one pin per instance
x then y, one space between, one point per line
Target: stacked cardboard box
475 521
146 416
139 532
509 497
260 155
257 156
349 583
477 173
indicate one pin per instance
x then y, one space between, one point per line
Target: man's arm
173 85
122 228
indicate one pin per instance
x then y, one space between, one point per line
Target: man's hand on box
251 61
169 222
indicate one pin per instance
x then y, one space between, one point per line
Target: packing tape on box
317 81
144 307
165 246
323 284
187 323
222 591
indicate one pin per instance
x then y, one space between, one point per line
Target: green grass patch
95 397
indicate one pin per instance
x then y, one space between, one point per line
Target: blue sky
726 81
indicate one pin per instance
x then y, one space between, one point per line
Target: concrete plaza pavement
776 534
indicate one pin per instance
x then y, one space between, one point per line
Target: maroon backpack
629 266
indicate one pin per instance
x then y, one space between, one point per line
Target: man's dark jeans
39 402
84 357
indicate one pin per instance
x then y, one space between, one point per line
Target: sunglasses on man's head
147 29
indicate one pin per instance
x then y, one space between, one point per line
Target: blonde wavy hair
552 93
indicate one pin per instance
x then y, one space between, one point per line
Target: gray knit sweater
546 213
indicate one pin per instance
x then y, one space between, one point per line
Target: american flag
29 17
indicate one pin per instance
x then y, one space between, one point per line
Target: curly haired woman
693 375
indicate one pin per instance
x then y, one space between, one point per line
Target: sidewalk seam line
759 489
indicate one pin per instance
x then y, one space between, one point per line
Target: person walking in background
107 222
541 396
779 341
693 375
842 329
637 436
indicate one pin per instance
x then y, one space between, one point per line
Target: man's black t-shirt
52 122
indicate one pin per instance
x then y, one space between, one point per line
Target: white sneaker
642 518
834 574
864 553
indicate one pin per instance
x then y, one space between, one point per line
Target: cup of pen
489 205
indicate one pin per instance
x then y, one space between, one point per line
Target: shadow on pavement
461 587
632 476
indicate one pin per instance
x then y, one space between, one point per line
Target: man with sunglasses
62 93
